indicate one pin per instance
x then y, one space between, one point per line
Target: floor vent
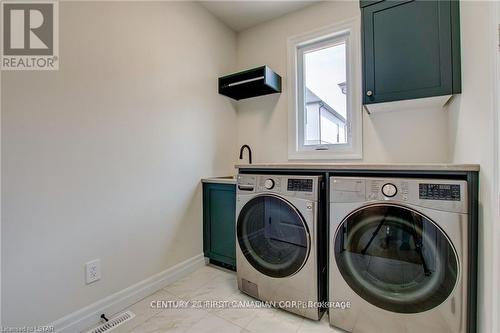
113 323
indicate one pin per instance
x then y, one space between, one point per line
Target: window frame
348 31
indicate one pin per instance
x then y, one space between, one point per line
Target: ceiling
240 15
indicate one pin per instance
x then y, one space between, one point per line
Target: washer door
395 258
273 236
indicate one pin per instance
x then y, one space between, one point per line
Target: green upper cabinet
411 49
219 213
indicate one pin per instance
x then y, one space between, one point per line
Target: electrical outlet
93 271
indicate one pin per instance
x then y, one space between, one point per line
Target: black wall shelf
250 83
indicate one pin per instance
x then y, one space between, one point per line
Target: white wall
103 158
496 169
471 137
409 136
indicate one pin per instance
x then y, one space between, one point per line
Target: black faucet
249 153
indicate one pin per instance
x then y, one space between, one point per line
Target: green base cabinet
411 49
219 214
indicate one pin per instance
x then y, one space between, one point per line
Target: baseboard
89 315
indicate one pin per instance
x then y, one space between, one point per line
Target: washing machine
398 254
277 231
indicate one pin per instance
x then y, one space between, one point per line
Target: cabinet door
219 201
407 50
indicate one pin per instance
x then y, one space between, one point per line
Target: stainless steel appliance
276 252
398 249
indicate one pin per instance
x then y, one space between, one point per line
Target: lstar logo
30 35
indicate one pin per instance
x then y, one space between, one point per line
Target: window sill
324 155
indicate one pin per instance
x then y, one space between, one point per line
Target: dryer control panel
381 189
450 192
445 195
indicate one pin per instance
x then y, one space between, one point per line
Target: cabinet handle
369 93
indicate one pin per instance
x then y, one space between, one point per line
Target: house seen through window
325 96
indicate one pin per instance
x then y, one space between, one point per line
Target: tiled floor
210 283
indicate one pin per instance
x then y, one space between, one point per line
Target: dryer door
395 258
273 236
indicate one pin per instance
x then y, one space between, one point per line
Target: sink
220 179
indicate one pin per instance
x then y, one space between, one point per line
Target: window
325 100
323 67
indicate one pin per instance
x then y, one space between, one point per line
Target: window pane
325 95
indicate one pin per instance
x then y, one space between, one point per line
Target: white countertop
363 166
220 180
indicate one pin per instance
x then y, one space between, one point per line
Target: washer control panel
269 184
305 187
301 185
389 190
449 192
384 189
